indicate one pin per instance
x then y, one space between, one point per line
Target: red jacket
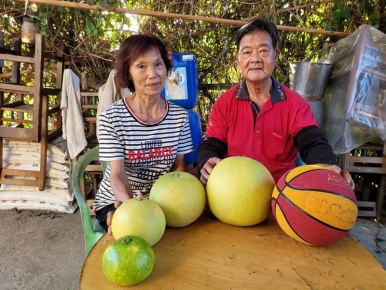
269 136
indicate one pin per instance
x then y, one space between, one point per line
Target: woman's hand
110 217
346 175
207 168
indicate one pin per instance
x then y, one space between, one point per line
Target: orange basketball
314 205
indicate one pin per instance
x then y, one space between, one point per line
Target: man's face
256 56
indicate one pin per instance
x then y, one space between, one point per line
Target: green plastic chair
92 232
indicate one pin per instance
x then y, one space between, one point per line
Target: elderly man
261 118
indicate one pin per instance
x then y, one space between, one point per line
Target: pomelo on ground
128 260
239 191
181 197
139 217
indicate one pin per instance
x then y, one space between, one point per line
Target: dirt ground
40 250
45 250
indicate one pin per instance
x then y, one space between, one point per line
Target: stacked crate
367 166
29 113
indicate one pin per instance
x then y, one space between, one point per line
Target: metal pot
310 79
28 28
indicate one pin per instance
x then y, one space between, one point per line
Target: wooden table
210 254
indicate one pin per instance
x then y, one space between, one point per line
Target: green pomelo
239 191
181 197
139 217
128 261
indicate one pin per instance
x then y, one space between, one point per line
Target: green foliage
341 12
347 13
91 37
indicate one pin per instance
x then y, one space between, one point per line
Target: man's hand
346 175
110 217
207 168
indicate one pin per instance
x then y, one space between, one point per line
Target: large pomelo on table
181 197
128 261
139 217
239 191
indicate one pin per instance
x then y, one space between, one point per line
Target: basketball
314 205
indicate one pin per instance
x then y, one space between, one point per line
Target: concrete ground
45 250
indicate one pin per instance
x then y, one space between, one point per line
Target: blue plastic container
196 132
181 86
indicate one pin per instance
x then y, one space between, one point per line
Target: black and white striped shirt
148 150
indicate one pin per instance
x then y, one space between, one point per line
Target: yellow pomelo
139 217
181 197
239 191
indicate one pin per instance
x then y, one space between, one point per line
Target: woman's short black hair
258 24
131 49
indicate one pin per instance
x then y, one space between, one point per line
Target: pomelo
239 191
181 197
128 261
139 217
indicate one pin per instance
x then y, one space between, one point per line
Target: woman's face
148 73
256 56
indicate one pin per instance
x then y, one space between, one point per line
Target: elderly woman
142 136
261 118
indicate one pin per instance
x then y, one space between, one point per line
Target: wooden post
16 64
38 83
59 65
1 45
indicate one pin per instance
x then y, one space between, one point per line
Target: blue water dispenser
181 88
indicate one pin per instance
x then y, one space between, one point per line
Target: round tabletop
209 254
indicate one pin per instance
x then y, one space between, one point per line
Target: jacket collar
277 91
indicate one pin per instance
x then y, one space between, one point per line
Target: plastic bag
355 97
